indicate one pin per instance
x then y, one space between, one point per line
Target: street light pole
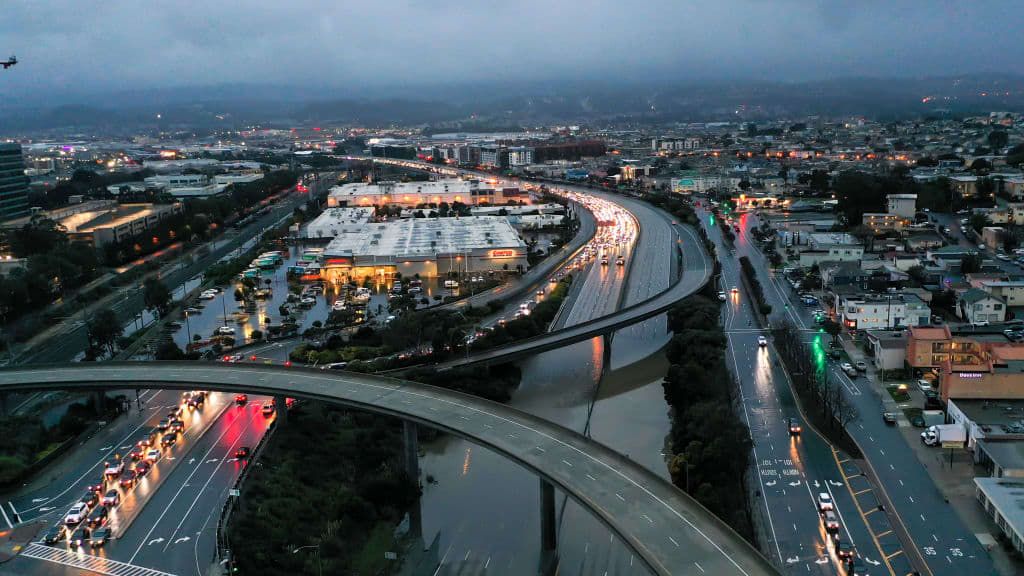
319 563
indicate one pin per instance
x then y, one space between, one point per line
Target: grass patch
897 394
910 413
370 560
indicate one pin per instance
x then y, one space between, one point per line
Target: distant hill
521 104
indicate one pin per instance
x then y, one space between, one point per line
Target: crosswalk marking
87 561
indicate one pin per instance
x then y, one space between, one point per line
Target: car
334 366
177 425
889 418
604 261
142 468
99 537
164 424
844 549
540 292
90 499
128 478
113 468
861 365
981 246
845 366
852 372
98 517
79 537
735 290
168 440
825 502
111 498
855 567
268 408
98 487
794 427
762 341
152 455
620 261
831 521
931 400
136 453
924 385
721 296
451 284
917 421
929 438
242 453
76 514
55 534
175 412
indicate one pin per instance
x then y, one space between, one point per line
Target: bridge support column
281 408
606 352
99 400
548 535
411 450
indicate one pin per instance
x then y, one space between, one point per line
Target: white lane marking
178 493
699 567
89 562
220 462
674 541
619 496
567 463
6 519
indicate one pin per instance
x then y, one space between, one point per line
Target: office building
13 182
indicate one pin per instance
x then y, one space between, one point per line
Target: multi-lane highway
667 530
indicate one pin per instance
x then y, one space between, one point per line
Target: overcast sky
71 46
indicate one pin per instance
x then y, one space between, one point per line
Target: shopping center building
428 247
412 194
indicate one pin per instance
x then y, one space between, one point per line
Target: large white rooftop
354 191
427 236
334 221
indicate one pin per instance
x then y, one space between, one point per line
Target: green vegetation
344 491
755 286
527 326
673 204
710 444
27 440
897 394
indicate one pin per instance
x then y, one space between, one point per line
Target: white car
721 296
924 385
114 468
226 331
825 502
77 513
762 341
846 367
153 455
451 284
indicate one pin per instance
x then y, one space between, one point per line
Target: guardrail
222 553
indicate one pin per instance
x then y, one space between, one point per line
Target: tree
744 185
970 264
917 274
979 221
981 165
104 329
156 297
832 328
998 139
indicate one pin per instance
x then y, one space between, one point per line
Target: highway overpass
669 531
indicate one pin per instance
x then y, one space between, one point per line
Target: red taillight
253 357
288 363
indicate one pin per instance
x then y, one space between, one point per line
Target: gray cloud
69 46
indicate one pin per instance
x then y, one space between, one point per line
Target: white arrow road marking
155 541
770 483
834 483
35 500
816 485
821 561
796 483
792 560
213 460
191 460
105 448
872 562
46 509
182 539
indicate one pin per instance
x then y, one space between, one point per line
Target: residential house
980 307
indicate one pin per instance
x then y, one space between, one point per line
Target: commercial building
890 348
1003 501
13 182
186 185
425 246
101 222
964 186
334 222
904 205
412 194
